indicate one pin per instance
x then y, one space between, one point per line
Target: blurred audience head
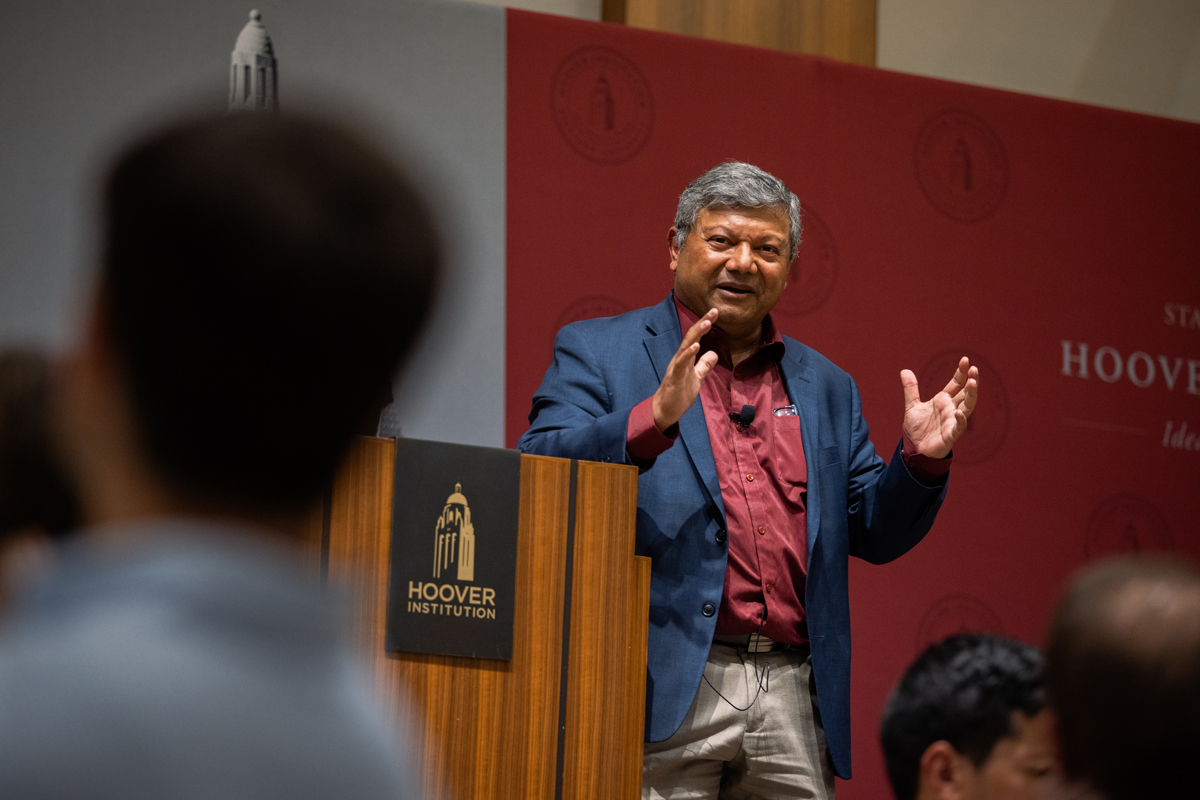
263 277
967 721
1123 678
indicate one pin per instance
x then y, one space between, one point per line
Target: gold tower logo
463 604
453 559
454 538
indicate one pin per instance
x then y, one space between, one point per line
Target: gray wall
1137 55
77 78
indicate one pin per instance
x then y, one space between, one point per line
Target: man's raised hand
935 425
681 384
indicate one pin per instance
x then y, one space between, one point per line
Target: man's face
1019 764
736 261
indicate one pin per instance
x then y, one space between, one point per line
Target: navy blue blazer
857 504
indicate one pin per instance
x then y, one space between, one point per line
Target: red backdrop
939 219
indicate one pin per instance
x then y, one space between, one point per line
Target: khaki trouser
774 748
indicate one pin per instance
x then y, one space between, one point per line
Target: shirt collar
770 348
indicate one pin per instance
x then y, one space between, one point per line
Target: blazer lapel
802 392
693 430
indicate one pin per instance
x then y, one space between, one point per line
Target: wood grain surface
841 29
606 683
489 729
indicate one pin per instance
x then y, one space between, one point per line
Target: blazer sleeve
572 414
888 510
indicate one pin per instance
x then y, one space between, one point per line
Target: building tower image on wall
253 74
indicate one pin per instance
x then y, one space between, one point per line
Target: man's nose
742 258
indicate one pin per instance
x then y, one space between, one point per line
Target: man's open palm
935 424
681 384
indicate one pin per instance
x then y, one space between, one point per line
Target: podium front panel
507 729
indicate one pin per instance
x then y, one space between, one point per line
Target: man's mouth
734 289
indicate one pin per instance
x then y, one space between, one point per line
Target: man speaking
750 517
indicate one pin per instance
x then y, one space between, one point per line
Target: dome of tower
254 39
457 498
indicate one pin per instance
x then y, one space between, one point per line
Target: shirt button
749 477
769 588
708 609
721 536
762 529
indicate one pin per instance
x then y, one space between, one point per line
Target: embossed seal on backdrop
988 425
590 307
960 165
602 105
814 273
1127 524
955 614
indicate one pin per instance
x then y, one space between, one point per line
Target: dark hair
962 690
1123 677
263 277
34 489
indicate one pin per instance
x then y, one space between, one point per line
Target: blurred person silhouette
1123 680
967 722
262 278
37 501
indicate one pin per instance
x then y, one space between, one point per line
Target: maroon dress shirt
764 483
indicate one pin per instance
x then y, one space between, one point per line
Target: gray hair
736 184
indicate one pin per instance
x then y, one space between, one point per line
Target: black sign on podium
453 569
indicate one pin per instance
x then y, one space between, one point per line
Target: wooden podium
564 718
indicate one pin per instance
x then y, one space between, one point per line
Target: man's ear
91 414
673 248
88 363
943 774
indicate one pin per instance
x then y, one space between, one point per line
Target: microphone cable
765 677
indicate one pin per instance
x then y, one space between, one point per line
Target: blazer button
607 460
721 536
708 609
